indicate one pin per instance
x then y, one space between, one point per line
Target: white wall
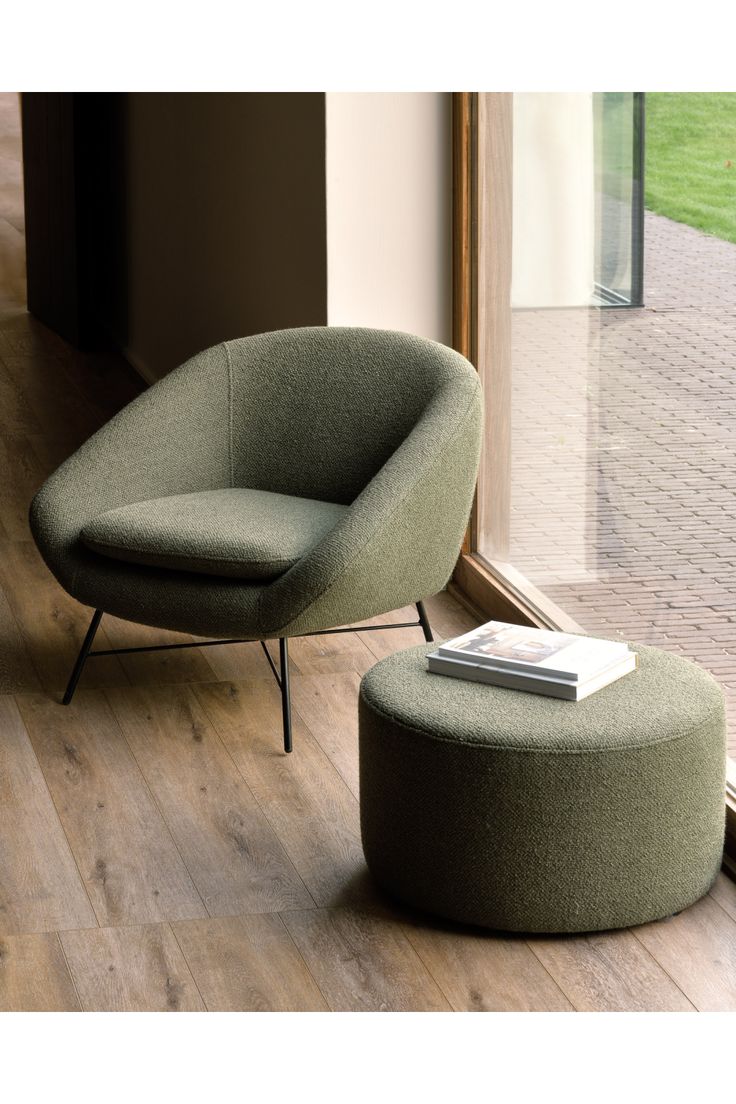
554 200
389 211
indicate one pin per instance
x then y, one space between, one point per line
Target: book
538 661
511 680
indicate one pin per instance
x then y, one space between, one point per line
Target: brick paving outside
624 456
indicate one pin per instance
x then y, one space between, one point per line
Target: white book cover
554 655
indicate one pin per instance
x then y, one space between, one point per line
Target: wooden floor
158 851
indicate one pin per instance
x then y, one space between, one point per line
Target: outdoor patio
624 456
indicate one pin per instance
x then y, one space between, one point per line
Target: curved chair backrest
317 411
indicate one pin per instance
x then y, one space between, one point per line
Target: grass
691 159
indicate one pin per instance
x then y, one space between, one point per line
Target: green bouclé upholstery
383 424
234 532
520 812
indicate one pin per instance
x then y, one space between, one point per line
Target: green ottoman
515 811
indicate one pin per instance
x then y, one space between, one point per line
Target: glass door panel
560 210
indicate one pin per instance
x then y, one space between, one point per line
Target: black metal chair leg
82 657
285 699
424 620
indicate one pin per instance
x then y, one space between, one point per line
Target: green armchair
272 486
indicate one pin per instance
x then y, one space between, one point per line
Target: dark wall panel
226 219
161 223
51 217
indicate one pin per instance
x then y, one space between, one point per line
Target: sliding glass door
605 494
559 242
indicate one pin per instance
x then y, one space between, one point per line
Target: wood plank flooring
131 868
130 970
40 885
158 851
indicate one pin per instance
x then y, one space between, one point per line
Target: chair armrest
400 539
170 440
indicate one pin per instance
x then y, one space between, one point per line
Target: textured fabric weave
235 532
515 811
384 423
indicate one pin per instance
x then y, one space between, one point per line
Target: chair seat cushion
237 532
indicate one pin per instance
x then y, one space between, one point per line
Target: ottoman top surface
667 697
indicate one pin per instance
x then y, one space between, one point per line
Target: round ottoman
525 813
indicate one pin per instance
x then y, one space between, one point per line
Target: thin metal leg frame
424 622
84 651
281 676
285 695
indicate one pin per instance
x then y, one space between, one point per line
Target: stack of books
557 664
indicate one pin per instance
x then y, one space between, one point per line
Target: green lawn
691 159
